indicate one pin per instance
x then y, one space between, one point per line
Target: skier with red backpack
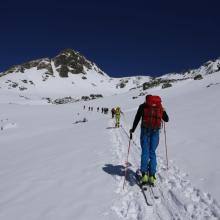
152 113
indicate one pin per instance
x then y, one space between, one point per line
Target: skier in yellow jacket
117 117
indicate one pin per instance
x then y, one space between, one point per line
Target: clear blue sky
122 37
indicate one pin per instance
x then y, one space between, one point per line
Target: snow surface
54 168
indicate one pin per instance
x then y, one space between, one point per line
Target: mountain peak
71 61
69 51
68 61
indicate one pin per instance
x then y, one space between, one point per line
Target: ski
147 196
155 192
144 189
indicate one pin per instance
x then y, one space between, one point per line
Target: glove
131 130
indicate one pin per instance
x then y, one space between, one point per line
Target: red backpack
153 112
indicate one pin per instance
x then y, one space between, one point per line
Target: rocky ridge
66 62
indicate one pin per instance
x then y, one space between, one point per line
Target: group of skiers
151 114
103 110
116 113
90 108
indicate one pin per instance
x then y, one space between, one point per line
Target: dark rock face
166 85
198 77
122 84
156 82
39 64
45 64
66 62
70 61
64 100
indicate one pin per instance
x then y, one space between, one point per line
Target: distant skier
117 117
152 114
105 110
113 112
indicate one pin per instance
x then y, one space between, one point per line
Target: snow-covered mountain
70 74
209 67
67 74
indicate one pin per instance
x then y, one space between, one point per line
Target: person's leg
144 140
154 141
117 121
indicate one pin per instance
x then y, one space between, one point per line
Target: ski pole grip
130 136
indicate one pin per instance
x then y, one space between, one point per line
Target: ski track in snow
179 200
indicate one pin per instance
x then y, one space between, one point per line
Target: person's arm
165 117
137 118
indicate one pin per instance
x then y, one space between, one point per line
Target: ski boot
144 179
152 180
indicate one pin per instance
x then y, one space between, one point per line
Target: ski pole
126 162
166 144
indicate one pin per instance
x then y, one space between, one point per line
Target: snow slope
52 167
31 83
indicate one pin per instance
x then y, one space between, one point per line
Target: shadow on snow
119 170
111 127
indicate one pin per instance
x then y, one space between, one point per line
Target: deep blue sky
122 37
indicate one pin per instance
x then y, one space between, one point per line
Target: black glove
131 130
